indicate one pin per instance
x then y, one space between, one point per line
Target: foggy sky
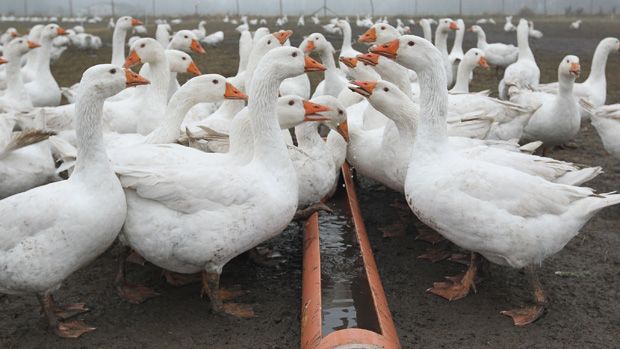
297 7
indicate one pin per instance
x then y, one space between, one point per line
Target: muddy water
346 298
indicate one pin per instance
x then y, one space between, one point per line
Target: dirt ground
584 311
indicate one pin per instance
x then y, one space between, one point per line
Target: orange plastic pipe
311 315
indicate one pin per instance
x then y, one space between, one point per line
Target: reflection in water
345 292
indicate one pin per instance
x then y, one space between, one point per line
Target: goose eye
142 45
186 36
20 41
340 112
476 53
113 71
215 81
294 54
269 42
567 61
184 58
410 43
386 89
291 102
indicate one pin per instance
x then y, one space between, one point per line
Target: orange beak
389 49
369 36
470 29
135 22
3 61
196 47
133 79
454 26
483 63
132 59
575 69
312 65
61 31
311 110
14 34
364 88
350 62
233 93
309 46
283 35
193 69
369 58
343 129
32 44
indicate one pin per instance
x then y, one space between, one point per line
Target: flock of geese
189 177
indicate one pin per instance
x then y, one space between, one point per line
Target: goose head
51 31
337 115
127 22
181 62
474 58
446 25
18 47
269 42
108 79
259 33
286 62
383 96
350 62
145 50
185 40
523 25
411 51
13 33
379 33
293 110
475 29
209 88
35 32
611 44
569 68
317 42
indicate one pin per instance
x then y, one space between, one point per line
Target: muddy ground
584 309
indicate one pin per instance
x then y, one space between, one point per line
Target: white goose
346 50
594 89
42 243
510 118
456 54
250 203
606 120
497 54
221 119
524 73
444 27
426 29
201 32
335 80
29 70
509 27
510 217
123 25
16 97
43 89
556 119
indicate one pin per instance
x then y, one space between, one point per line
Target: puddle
345 292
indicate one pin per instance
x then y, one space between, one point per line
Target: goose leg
178 279
310 210
459 287
211 286
66 329
67 311
135 294
429 236
527 315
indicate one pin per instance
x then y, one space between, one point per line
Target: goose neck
307 134
565 86
118 46
168 130
43 57
14 80
396 74
441 41
462 78
482 39
346 37
269 147
599 63
458 40
523 43
432 125
159 72
91 154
